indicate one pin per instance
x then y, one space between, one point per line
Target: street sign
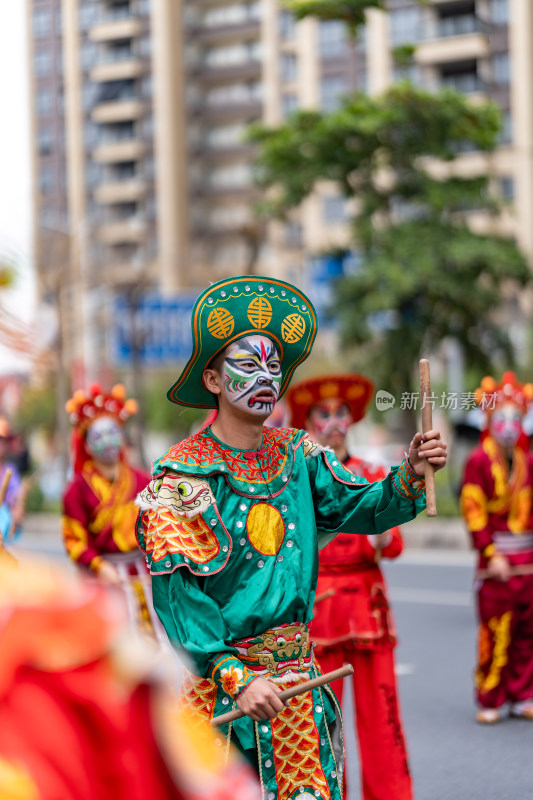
162 330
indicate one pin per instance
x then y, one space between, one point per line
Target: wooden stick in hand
427 424
298 688
3 491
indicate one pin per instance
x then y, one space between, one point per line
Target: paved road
452 757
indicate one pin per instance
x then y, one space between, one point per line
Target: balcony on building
126 231
453 33
118 101
240 61
116 21
240 100
123 191
461 77
116 69
225 24
118 142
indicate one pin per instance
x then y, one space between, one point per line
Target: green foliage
162 415
37 409
425 274
403 55
35 500
352 12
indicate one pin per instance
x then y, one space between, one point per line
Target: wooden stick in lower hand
427 424
286 694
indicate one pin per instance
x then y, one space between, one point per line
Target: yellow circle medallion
266 529
220 323
260 312
293 328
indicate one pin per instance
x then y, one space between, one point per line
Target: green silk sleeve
194 624
347 503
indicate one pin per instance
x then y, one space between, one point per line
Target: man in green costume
231 525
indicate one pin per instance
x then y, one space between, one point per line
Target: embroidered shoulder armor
176 526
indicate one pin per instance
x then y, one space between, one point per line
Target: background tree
425 275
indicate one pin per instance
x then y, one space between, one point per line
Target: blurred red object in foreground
84 716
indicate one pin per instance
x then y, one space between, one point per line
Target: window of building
42 62
334 209
462 77
46 180
234 93
42 22
409 72
404 26
88 16
332 39
123 171
507 188
458 19
226 136
499 11
89 93
231 177
501 69
234 54
88 54
506 133
287 25
289 67
293 234
44 102
289 103
45 141
332 90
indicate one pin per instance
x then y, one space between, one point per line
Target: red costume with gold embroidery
353 624
99 514
496 502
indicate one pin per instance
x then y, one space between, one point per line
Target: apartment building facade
141 108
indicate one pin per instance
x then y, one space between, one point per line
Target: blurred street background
378 155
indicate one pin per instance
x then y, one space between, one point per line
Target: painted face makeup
104 440
330 421
505 425
252 375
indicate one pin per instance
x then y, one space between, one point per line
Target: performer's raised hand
260 700
427 446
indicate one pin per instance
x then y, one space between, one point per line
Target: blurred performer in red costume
496 502
87 712
352 621
99 511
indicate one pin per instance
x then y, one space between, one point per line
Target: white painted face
104 440
251 374
505 424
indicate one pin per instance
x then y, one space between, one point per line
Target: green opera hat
245 306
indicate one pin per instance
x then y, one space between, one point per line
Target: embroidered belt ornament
280 649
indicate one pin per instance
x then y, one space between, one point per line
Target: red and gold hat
491 394
354 390
84 408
